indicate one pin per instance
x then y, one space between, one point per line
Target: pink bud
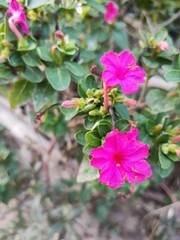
70 104
129 101
175 139
178 153
111 12
59 35
162 46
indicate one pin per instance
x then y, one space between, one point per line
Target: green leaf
122 111
172 76
38 3
161 35
80 137
59 78
33 74
122 125
15 59
164 161
104 128
27 44
152 63
21 93
84 85
87 149
42 94
44 53
156 98
31 59
75 68
86 172
69 113
96 5
162 138
4 152
92 139
121 39
4 178
5 75
141 119
165 172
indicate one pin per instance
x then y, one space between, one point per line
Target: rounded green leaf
173 75
80 137
164 161
92 139
59 78
75 68
21 93
44 53
33 74
15 59
31 59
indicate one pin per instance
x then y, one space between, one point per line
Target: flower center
117 159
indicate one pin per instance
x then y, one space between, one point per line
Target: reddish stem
105 98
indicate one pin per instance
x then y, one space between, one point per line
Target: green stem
143 92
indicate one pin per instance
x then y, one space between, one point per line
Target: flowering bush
47 48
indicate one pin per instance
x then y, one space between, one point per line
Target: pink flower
162 46
122 70
178 153
111 12
121 158
17 17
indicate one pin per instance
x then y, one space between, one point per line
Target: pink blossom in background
121 158
121 69
111 12
163 46
17 17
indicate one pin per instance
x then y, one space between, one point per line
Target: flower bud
157 128
162 46
60 35
178 153
70 104
129 101
175 139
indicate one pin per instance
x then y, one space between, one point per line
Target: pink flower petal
114 139
113 178
110 59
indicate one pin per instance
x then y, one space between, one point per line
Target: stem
14 29
105 98
143 93
112 117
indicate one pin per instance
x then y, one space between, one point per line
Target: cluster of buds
171 148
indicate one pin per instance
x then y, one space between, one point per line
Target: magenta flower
17 17
111 12
122 70
121 158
